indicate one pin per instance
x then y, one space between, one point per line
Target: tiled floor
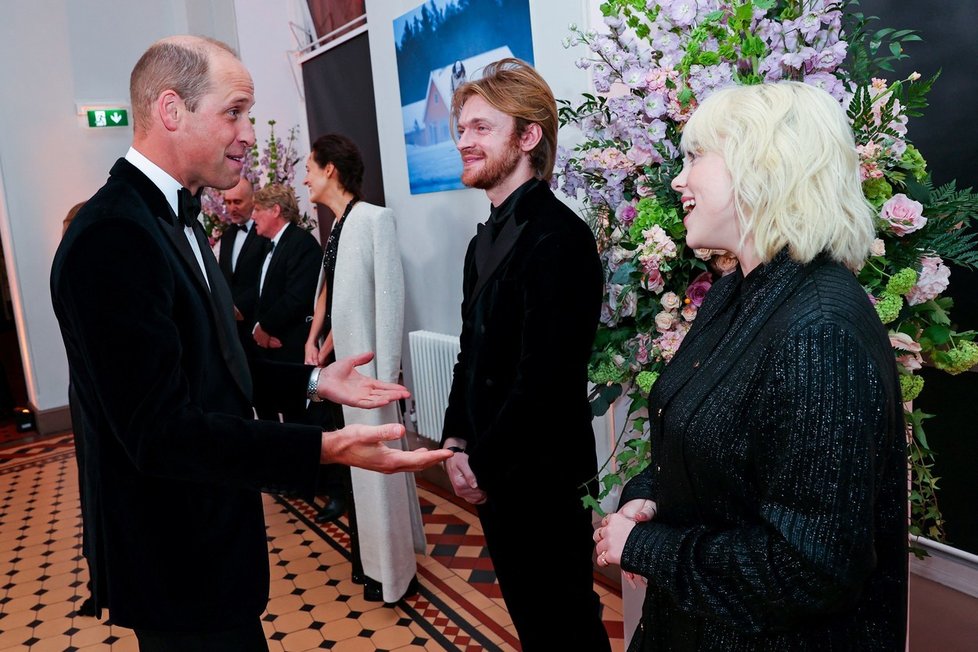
313 603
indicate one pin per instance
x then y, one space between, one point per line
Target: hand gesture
340 382
363 447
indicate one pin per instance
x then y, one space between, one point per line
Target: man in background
286 288
241 254
173 460
518 417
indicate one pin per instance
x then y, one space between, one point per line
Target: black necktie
189 206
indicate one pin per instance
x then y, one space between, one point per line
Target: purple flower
697 290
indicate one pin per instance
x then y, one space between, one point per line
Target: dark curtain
947 138
340 99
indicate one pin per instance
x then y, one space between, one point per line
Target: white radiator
433 357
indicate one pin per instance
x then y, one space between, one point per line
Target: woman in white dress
360 307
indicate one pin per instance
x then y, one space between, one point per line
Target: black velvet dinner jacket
519 393
173 462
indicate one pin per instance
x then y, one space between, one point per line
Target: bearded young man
518 417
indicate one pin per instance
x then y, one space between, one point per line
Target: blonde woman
773 513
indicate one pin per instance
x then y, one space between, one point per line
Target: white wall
266 45
434 229
57 53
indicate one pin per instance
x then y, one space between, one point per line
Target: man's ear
169 107
530 137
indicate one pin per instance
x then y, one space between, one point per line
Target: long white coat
368 315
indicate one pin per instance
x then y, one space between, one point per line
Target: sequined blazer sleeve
819 406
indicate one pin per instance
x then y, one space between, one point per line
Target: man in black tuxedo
286 288
173 461
518 417
241 254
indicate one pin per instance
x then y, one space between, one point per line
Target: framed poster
440 45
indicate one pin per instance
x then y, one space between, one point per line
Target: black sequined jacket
779 469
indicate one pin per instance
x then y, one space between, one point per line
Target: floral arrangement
274 162
651 67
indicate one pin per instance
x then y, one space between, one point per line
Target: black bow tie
242 227
189 206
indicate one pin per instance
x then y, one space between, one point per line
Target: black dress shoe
332 510
373 591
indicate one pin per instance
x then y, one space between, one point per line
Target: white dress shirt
268 256
239 239
170 187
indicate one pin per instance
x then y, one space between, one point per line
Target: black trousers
543 558
250 638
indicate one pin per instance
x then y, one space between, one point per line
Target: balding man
241 254
173 463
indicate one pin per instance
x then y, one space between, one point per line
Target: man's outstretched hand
340 382
364 447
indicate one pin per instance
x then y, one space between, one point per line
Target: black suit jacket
519 393
173 462
286 300
244 279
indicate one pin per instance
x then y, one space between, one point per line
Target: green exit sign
98 118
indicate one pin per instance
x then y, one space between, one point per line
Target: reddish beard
494 168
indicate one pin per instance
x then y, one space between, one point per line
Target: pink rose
671 301
664 321
654 282
878 248
698 288
933 280
903 214
725 263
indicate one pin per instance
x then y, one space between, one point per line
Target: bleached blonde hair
794 166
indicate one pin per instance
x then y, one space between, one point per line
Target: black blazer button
489 382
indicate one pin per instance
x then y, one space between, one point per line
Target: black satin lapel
248 243
222 306
227 252
501 249
179 238
278 254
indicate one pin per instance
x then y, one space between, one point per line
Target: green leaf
591 503
938 334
